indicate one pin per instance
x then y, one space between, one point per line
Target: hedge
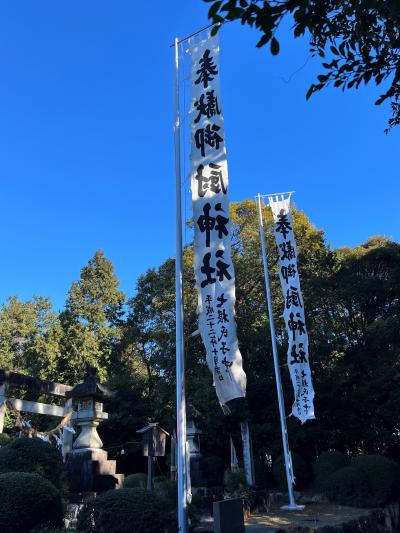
113 511
34 456
383 477
135 481
348 486
327 464
28 501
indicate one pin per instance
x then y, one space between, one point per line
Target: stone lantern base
89 472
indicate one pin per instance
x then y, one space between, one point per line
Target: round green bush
234 481
383 477
302 472
28 501
327 464
139 510
35 456
135 481
348 486
4 439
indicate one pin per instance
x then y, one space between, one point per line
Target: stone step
120 479
106 467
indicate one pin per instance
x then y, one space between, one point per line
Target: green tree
91 321
359 41
151 322
27 332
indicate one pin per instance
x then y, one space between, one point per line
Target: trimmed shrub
235 482
302 472
383 478
34 456
4 439
138 510
348 486
135 481
28 501
327 464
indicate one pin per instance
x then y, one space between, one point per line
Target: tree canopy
352 303
358 41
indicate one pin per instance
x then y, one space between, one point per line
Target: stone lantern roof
90 387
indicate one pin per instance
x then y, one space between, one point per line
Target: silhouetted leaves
361 37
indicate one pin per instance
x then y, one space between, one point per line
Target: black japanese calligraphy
222 316
207 270
222 267
207 106
213 183
224 333
283 226
288 272
226 363
293 297
224 349
207 223
207 70
221 300
296 325
299 357
221 270
288 251
208 136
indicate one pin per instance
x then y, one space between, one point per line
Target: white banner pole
288 462
180 354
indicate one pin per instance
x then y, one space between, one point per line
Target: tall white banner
293 314
215 276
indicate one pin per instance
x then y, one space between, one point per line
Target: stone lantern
193 440
89 469
89 397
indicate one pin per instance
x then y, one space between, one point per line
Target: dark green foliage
302 472
52 530
135 481
28 501
383 477
262 473
327 464
4 439
348 486
113 512
213 468
36 456
358 41
234 482
352 298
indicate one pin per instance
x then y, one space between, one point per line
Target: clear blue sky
86 152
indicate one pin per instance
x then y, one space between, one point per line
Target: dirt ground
313 515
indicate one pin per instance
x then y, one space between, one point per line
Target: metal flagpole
180 353
288 458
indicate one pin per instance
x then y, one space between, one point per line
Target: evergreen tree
91 321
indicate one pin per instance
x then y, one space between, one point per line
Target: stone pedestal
90 471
